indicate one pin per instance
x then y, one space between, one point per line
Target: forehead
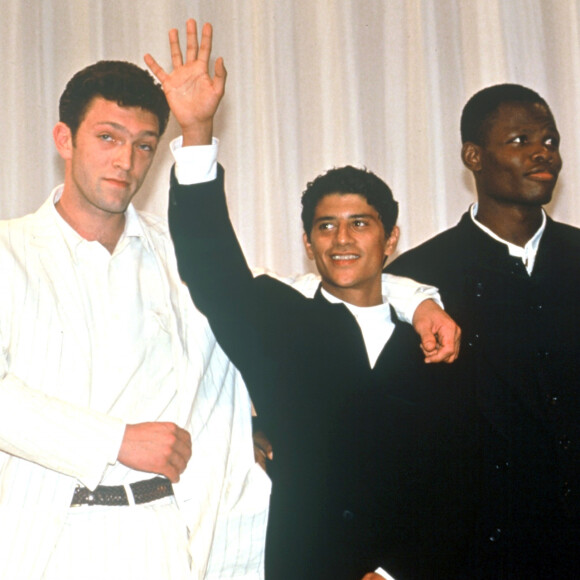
341 204
524 117
135 120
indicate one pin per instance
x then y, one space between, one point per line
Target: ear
63 140
471 156
392 241
307 247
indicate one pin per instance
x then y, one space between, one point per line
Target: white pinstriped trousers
122 543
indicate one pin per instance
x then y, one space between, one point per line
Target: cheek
512 164
80 168
311 248
501 173
141 168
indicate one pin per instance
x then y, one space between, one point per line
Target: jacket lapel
57 276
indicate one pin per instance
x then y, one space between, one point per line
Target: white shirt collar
528 252
357 309
374 321
133 226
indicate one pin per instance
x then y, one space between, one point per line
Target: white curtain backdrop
312 84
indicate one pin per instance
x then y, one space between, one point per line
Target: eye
106 137
147 147
325 226
552 141
519 139
360 223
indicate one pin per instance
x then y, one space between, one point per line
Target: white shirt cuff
195 164
384 574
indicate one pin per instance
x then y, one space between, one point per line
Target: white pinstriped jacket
50 439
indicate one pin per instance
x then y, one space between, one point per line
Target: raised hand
193 95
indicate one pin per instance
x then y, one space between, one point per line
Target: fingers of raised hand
206 43
155 68
192 46
175 49
193 51
220 73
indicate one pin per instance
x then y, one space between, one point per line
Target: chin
543 194
539 200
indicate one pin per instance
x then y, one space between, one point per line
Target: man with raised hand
370 463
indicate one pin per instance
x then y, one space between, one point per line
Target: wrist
198 134
424 308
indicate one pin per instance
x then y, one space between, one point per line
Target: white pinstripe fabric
128 543
51 436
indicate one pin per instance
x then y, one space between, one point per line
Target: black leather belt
143 492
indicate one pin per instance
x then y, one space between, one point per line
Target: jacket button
566 489
347 516
502 466
494 537
565 443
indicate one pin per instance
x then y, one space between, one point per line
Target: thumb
428 341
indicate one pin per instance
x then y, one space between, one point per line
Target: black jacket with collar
520 348
371 465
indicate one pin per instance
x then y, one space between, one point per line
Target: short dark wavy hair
482 108
345 180
121 82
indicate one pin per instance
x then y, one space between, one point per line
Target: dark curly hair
481 109
345 180
121 82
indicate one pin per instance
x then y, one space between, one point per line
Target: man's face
349 245
520 161
109 157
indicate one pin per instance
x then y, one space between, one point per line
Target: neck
106 230
515 224
362 297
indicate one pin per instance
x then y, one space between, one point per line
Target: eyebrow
350 217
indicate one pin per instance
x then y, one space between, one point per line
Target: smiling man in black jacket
372 465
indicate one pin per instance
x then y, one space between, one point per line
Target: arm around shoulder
421 305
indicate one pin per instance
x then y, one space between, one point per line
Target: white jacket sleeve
404 294
55 434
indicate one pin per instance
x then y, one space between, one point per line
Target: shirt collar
380 311
133 226
528 252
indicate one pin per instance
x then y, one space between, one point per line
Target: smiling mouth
340 257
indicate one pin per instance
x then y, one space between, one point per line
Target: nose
543 152
343 234
124 156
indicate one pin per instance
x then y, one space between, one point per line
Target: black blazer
371 465
520 347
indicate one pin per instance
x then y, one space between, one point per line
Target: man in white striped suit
107 372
